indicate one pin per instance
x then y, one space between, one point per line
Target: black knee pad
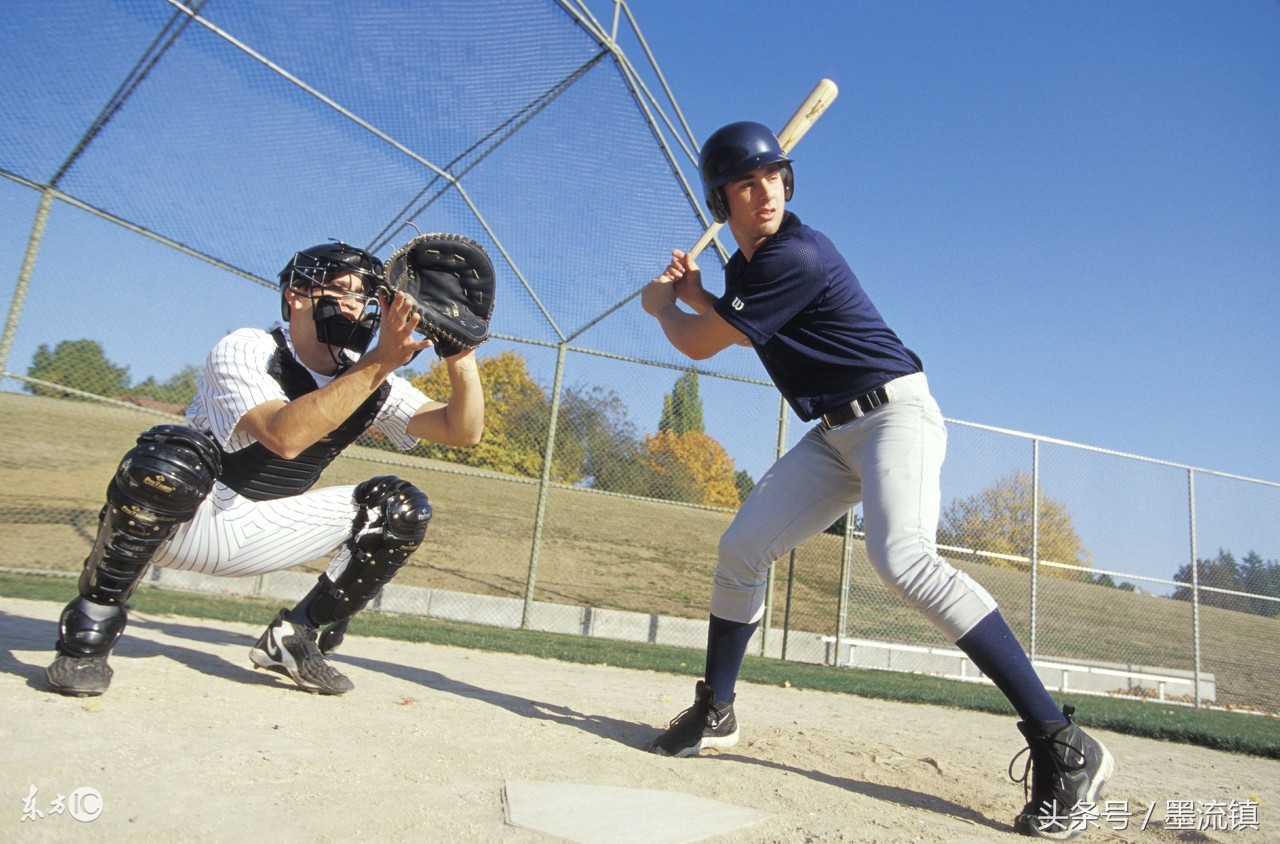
167 475
90 629
401 513
158 486
404 509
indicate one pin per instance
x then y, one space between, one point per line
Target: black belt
856 409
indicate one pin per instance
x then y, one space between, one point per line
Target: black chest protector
258 473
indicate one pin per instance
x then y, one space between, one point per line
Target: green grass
1229 731
616 553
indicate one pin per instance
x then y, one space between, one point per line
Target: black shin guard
158 486
379 549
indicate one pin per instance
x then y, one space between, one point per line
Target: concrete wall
1059 675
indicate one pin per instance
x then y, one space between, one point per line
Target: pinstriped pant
891 461
234 536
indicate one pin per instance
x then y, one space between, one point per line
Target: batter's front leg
801 495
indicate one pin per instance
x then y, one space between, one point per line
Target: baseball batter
880 440
231 494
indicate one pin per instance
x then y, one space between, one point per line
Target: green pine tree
682 407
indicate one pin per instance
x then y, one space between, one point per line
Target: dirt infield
192 744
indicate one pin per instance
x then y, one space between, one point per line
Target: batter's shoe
705 725
78 676
290 649
1067 770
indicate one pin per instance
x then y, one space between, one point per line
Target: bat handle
704 241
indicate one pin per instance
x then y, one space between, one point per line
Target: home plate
598 813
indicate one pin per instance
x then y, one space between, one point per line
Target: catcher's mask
732 152
312 271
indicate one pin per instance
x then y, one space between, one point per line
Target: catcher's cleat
290 649
1067 771
79 676
703 726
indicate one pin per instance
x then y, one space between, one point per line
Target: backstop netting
163 160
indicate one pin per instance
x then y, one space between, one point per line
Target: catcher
232 492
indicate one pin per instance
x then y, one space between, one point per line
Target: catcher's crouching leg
158 486
378 550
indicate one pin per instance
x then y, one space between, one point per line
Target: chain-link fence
163 159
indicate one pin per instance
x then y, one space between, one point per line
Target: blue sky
1070 210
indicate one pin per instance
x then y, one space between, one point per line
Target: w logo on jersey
736 304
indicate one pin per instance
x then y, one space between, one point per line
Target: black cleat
703 726
1067 771
290 649
79 676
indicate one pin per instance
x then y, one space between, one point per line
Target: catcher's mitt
450 281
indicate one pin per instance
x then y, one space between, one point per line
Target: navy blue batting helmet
733 151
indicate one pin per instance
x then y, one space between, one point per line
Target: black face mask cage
308 274
318 274
335 328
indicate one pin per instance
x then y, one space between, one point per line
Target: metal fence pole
766 626
24 276
786 613
1035 537
1195 585
543 488
846 575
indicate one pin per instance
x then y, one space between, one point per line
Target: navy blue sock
726 646
996 652
301 613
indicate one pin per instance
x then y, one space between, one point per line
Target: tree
744 482
516 411
998 520
682 407
1252 575
1109 582
1262 579
594 425
690 467
1222 572
79 364
180 389
595 443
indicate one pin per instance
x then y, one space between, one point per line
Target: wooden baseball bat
801 122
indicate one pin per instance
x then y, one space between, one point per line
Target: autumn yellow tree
517 413
595 444
690 467
998 520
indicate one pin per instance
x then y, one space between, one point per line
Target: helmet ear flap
717 205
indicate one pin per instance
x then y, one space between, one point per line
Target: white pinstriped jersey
235 380
231 535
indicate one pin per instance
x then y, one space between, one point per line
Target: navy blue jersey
817 333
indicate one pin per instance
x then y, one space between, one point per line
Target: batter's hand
687 278
658 296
